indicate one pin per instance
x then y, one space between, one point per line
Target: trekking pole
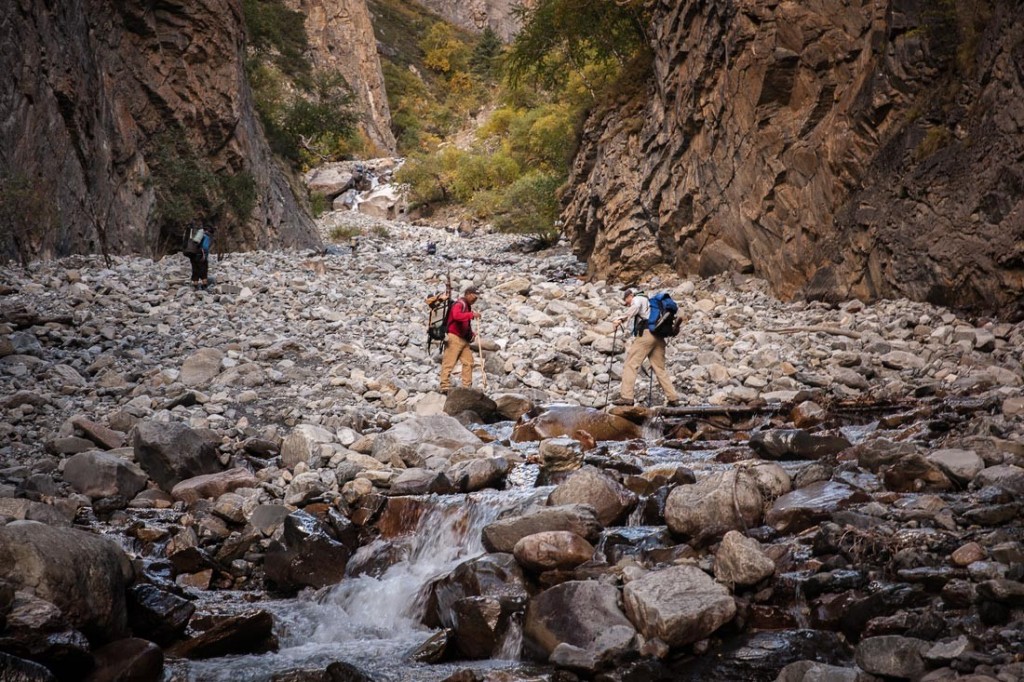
480 350
611 359
650 385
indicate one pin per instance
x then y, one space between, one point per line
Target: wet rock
879 452
496 577
306 556
559 456
421 482
1009 592
100 474
83 574
435 649
567 420
462 400
795 444
157 614
246 633
678 605
412 441
802 508
1007 477
960 465
758 656
14 669
741 561
592 487
478 473
172 453
550 550
892 656
128 659
711 507
807 414
503 534
942 653
967 554
584 615
812 671
915 473
210 486
480 626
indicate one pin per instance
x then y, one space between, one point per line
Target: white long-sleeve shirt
639 308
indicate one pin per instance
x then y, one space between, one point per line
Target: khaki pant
642 347
456 349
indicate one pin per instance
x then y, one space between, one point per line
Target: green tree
486 58
443 51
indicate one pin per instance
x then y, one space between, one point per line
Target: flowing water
374 622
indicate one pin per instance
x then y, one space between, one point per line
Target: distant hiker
431 248
645 344
354 243
457 343
197 249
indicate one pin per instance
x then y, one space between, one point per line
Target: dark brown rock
172 453
247 633
128 659
157 614
307 556
807 152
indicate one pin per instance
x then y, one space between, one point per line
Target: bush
343 233
279 33
318 204
530 206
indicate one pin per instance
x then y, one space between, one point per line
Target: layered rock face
91 86
836 149
342 41
476 15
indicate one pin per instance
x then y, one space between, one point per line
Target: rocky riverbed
260 481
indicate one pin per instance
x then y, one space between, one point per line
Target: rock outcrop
477 15
98 93
838 150
342 41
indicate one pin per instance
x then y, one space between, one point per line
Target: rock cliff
342 40
837 148
92 84
476 15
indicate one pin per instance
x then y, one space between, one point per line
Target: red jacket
459 320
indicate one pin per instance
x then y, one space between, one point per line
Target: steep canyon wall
476 15
90 86
837 148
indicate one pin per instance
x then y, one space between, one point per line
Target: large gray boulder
610 499
412 441
201 367
706 510
741 561
553 549
101 474
503 534
83 574
892 656
678 605
171 453
582 620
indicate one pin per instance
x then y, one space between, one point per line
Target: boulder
14 669
584 615
960 465
503 534
892 656
805 507
83 574
559 456
795 444
592 487
210 486
303 445
812 671
568 420
479 473
108 439
308 555
128 659
678 605
706 510
1007 477
552 550
156 614
420 482
101 474
172 453
462 399
408 443
246 633
512 406
915 473
201 367
741 561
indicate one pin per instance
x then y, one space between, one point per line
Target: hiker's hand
476 316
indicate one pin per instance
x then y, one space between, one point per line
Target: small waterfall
374 622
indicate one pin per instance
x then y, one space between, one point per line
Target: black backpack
437 319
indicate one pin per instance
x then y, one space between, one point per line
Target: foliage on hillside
570 55
308 116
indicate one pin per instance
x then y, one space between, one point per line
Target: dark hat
627 293
472 290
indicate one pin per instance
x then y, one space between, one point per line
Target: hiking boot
623 402
672 403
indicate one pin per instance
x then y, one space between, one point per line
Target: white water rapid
374 622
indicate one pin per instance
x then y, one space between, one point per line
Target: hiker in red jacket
460 335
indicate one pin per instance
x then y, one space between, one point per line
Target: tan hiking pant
642 347
456 349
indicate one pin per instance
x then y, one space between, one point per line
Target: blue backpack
662 321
